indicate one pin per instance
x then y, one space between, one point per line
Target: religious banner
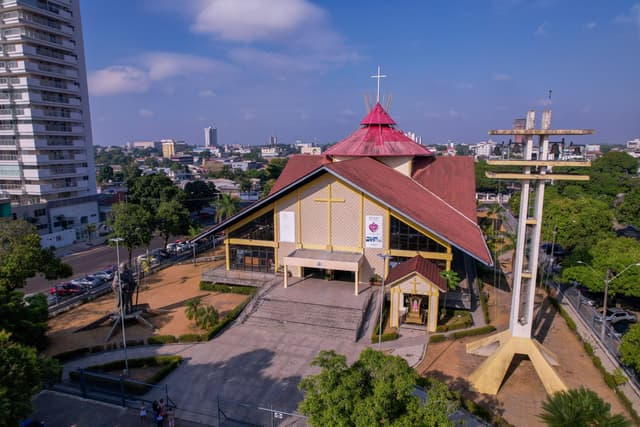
373 231
287 227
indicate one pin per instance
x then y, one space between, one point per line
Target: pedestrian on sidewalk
143 414
171 417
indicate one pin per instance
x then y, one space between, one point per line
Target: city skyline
300 70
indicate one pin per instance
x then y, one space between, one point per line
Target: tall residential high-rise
210 137
47 165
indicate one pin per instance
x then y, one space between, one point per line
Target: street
87 262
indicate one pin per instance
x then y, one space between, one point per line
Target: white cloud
118 79
501 76
591 25
163 65
542 30
143 112
255 20
206 93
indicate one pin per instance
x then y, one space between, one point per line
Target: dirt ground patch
166 291
521 395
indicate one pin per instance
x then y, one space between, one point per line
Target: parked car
618 329
67 289
104 274
172 248
615 315
160 253
89 281
151 259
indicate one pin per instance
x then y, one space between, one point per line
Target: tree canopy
172 219
377 389
630 347
199 194
132 223
613 254
149 191
23 374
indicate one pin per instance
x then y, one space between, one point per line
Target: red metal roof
377 137
378 116
414 201
417 264
297 167
450 177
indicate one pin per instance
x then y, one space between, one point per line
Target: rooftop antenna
378 76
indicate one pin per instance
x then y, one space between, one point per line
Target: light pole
607 280
384 260
124 338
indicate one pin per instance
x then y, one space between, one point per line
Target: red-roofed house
374 193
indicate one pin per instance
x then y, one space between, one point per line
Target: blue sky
300 69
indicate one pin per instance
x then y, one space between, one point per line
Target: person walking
143 414
171 417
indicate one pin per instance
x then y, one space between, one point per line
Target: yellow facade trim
361 239
298 220
427 255
249 242
226 254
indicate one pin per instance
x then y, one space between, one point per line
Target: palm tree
91 228
193 308
226 206
452 279
208 317
579 407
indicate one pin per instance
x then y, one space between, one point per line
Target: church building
375 205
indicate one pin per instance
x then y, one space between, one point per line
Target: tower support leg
489 376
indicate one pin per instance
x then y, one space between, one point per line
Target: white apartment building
210 137
47 167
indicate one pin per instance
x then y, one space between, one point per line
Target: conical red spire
378 116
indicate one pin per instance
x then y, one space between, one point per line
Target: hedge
227 289
437 338
472 332
189 338
162 339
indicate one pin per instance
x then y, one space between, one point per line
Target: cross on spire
378 76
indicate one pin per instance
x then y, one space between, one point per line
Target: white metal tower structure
537 164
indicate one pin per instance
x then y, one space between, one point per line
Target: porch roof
314 258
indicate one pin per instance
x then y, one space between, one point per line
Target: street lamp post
607 280
124 338
384 259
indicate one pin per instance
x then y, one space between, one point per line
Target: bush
161 339
588 348
463 322
437 338
473 332
484 303
227 289
189 338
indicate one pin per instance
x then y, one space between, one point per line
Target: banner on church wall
287 227
373 231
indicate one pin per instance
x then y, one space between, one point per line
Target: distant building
414 137
273 140
272 151
634 145
210 137
308 148
483 148
144 145
171 147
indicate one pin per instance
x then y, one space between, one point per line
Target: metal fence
235 413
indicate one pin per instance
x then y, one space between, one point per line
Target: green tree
612 254
377 389
611 174
150 191
630 347
226 206
207 317
105 174
133 223
23 374
22 257
193 307
172 219
199 194
579 407
629 210
275 167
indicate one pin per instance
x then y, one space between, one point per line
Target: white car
104 274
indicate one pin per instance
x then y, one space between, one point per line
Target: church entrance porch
331 265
